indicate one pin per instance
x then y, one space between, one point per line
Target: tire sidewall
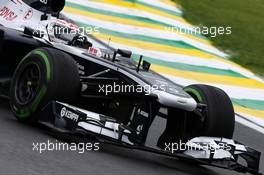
219 113
26 111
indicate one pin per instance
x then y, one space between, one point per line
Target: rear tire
219 115
45 74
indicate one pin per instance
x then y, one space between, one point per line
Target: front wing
203 150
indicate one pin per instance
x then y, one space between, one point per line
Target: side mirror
146 65
124 53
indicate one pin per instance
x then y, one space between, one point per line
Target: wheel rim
28 84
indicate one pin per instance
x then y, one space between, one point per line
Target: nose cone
171 100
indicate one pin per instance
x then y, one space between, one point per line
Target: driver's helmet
62 31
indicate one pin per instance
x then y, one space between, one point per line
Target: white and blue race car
54 74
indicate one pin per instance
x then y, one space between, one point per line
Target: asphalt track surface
17 156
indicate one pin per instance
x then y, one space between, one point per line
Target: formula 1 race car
54 74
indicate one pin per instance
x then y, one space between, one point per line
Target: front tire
219 114
45 74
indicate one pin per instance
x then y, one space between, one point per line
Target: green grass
246 17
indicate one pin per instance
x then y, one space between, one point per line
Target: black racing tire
219 114
44 75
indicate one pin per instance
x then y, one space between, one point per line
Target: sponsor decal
92 50
68 114
44 1
28 14
15 1
7 14
95 51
